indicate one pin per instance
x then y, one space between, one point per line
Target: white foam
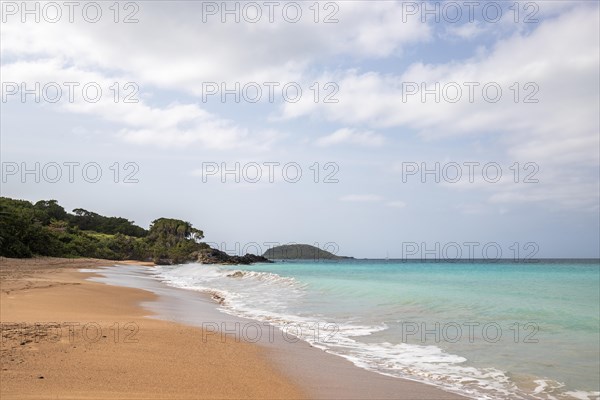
582 395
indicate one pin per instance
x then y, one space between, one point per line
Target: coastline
170 359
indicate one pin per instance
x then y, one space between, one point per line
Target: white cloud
172 48
351 136
560 58
174 125
467 30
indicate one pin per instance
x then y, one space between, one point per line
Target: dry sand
68 338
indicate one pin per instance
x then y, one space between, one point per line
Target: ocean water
486 330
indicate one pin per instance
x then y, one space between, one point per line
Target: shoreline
298 369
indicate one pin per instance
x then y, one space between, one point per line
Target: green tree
46 210
173 239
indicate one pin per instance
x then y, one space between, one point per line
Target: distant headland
300 252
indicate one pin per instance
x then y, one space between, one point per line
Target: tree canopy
46 229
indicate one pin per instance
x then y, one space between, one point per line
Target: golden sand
68 338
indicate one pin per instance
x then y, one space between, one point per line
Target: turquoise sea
487 330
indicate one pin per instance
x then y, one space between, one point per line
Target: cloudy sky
371 128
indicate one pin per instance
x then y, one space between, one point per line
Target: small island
300 252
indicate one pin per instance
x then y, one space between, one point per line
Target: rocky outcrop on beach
214 256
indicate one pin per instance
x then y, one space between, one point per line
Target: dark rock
219 299
214 256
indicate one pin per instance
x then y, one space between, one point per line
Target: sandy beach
65 357
64 336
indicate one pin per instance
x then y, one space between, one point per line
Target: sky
367 128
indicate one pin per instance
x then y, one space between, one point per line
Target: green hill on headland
46 229
300 252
